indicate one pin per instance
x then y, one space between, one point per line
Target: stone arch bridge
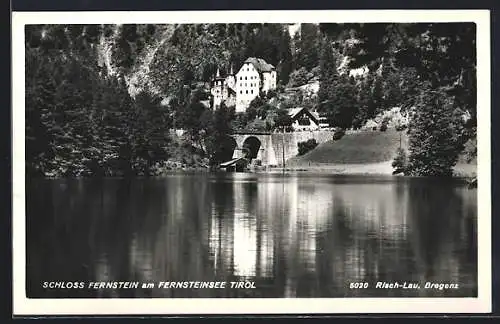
272 149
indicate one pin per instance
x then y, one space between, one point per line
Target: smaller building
303 119
223 90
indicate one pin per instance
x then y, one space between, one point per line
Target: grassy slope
363 147
367 152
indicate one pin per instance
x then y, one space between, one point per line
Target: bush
307 146
257 125
400 162
338 134
298 77
401 127
271 94
383 126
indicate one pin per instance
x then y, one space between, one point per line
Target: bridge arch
255 146
251 147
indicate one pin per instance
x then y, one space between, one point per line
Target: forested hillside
102 99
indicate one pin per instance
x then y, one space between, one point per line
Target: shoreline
380 168
461 170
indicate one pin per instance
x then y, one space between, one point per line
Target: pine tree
308 46
337 93
286 57
328 72
365 102
435 135
377 102
343 104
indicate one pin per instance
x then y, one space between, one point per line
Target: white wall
297 127
269 81
218 92
247 86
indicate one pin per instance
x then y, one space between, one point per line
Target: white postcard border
165 306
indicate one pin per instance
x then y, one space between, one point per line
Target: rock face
140 75
393 117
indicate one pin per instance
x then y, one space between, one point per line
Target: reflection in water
294 235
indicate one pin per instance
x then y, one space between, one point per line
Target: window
241 78
241 92
247 91
304 121
251 91
245 78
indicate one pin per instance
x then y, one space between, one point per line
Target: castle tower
218 90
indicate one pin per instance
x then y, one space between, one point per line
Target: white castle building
254 76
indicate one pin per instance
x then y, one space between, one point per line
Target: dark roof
260 65
294 112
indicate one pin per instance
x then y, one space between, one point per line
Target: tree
191 115
39 94
328 72
337 94
365 101
298 77
391 86
84 121
435 135
307 46
442 54
307 146
376 104
285 66
283 119
219 145
400 162
151 137
252 111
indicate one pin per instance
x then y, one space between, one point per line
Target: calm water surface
294 235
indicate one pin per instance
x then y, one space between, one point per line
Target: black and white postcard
243 162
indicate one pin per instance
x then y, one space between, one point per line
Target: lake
289 234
